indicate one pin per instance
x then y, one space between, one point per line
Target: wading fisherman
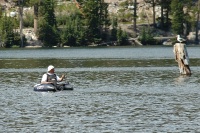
50 77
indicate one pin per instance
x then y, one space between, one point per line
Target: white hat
50 67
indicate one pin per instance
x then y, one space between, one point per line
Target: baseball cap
50 67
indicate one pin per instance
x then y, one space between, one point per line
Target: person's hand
63 76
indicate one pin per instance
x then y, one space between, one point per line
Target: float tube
53 88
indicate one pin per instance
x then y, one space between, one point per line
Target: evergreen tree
153 2
178 16
48 32
122 38
91 12
114 29
196 10
96 18
74 32
146 37
7 37
165 7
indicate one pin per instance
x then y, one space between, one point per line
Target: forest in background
82 23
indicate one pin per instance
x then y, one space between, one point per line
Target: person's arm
60 79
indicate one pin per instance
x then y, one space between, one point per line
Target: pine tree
114 29
6 32
178 16
165 7
48 32
74 33
96 18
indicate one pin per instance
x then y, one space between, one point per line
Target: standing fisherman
181 56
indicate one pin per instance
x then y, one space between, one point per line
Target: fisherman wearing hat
50 77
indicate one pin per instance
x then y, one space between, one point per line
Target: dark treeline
82 23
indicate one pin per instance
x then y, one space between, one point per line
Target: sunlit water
115 90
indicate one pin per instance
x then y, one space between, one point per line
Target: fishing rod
67 74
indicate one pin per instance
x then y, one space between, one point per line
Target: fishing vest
52 78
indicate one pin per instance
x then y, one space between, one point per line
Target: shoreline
97 46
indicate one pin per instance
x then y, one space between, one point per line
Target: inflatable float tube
51 87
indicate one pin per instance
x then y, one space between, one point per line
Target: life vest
52 78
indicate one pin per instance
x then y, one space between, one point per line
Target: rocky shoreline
114 6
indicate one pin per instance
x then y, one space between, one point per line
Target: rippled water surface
115 90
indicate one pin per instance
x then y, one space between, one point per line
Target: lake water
116 90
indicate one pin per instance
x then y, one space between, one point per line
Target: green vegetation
7 35
178 16
48 32
89 22
146 37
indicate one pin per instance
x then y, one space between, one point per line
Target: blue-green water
115 90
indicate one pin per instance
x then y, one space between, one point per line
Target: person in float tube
50 77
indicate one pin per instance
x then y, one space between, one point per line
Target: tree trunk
162 17
154 14
197 24
21 23
135 15
182 58
167 18
35 18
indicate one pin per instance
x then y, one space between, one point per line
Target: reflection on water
182 78
110 95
